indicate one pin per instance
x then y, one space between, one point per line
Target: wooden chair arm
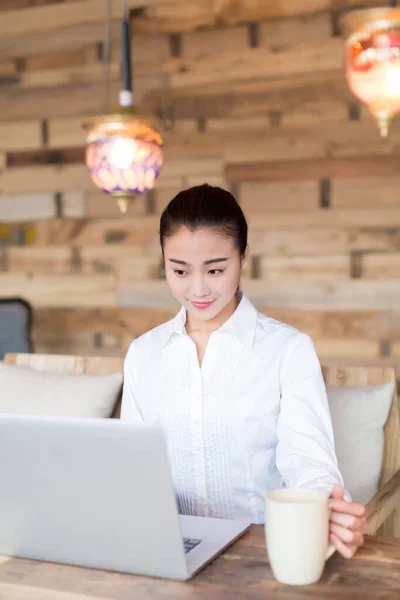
383 504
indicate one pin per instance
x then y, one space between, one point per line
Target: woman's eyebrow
206 262
178 262
214 260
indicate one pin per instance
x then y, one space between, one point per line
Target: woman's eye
180 273
215 271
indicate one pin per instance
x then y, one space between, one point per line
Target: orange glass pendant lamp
124 151
372 60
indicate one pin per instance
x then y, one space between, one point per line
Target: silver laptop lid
92 492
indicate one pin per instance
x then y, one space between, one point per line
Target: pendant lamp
124 150
372 60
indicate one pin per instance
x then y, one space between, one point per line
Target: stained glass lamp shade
124 155
372 61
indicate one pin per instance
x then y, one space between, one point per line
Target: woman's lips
202 305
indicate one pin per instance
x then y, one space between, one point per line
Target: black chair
15 326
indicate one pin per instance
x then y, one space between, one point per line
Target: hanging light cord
106 55
165 107
126 50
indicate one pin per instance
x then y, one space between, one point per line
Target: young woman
240 396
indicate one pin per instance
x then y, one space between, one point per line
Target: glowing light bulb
123 152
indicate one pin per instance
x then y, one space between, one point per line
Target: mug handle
331 550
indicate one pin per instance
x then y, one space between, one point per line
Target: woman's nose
200 288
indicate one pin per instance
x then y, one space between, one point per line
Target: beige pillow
359 414
24 390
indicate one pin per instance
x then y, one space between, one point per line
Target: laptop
99 493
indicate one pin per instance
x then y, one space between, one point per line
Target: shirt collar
242 324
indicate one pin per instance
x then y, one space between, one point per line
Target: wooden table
241 572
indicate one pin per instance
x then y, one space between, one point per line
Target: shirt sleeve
129 407
305 454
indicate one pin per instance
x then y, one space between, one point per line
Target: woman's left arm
305 454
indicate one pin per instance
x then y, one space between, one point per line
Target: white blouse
252 418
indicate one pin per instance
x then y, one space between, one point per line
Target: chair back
15 326
361 376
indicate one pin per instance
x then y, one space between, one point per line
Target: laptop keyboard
190 543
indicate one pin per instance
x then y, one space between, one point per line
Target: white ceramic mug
297 534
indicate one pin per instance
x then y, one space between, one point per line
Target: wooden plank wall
260 106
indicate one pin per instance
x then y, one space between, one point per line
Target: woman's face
203 270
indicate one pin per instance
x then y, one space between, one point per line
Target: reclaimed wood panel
58 16
113 321
273 144
95 232
126 262
331 324
141 268
324 168
345 348
58 41
47 178
66 101
60 290
384 265
292 242
7 68
281 33
253 63
264 197
73 204
199 45
40 260
26 135
69 343
66 132
205 14
26 207
305 268
315 114
372 191
387 217
233 146
80 74
105 258
185 166
45 61
379 240
215 124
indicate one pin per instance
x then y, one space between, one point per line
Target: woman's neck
214 323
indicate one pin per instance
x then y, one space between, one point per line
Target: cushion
24 390
359 414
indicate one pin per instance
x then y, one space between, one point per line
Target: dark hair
205 206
